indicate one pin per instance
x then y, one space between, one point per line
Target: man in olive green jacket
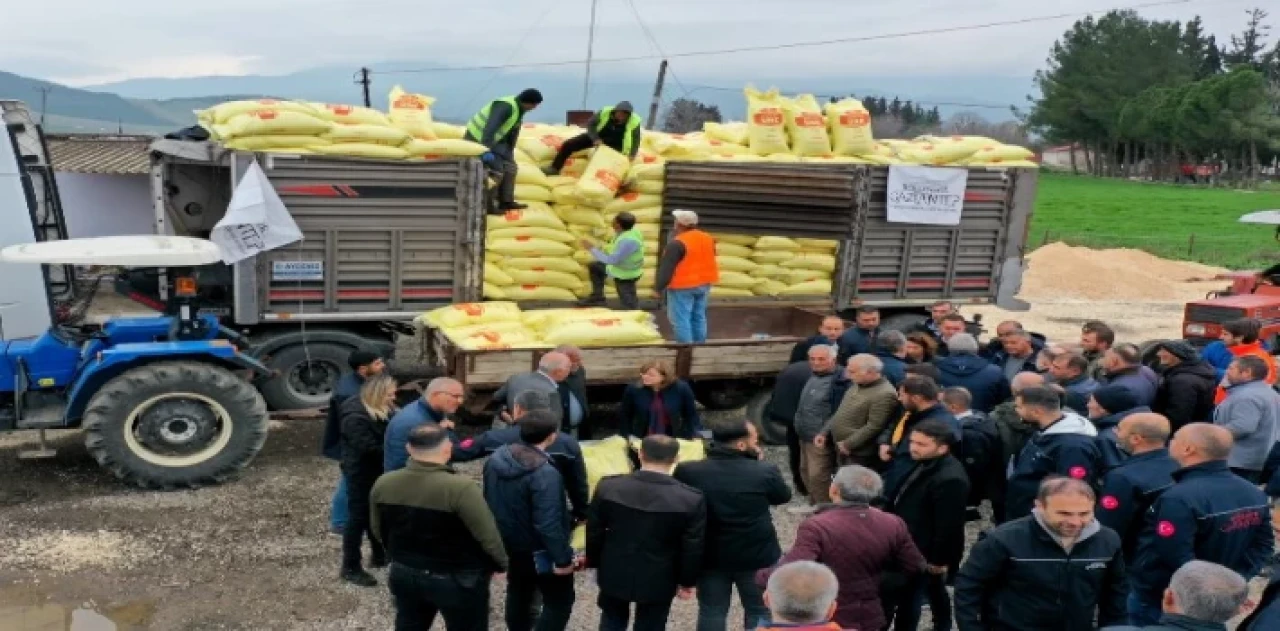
863 412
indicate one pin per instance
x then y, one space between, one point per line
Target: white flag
256 220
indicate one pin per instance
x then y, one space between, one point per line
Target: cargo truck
386 241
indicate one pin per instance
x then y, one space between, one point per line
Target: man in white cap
686 272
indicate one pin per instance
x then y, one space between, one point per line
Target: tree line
1145 97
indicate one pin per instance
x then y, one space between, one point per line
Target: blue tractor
165 402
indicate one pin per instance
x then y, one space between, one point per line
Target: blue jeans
687 310
338 513
715 590
1142 613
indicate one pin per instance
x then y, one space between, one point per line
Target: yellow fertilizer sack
771 257
267 143
494 292
772 272
535 216
806 126
603 459
530 174
800 276
540 264
445 131
494 274
647 187
506 326
769 287
849 124
743 240
817 245
732 133
539 319
541 144
579 216
720 291
525 247
648 172
362 150
732 249
556 181
536 232
411 113
367 134
272 122
493 340
736 280
350 114
766 122
224 112
470 313
603 177
639 317
575 167
810 260
777 244
735 264
936 153
601 332
998 152
531 193
810 288
1025 164
549 278
538 292
444 148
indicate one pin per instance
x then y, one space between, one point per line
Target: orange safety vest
698 267
1255 349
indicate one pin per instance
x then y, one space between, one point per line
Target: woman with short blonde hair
659 403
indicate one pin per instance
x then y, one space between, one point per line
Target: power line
696 87
653 41
790 45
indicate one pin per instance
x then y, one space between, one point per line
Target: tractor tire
305 375
770 432
172 425
903 322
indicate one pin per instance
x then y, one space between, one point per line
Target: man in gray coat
816 405
553 369
1251 412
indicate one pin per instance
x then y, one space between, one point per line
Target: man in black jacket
920 402
829 333
1053 570
787 389
1065 445
861 339
645 537
932 503
364 364
1187 385
740 539
573 393
526 495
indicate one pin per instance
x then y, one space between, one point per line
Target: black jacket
1209 514
984 381
1020 578
786 392
800 352
1059 449
932 503
576 385
361 443
1267 614
645 536
856 341
1129 490
566 455
897 468
739 489
678 401
1185 394
348 386
895 370
1175 622
526 495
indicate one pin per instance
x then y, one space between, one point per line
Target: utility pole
657 94
364 81
591 42
44 101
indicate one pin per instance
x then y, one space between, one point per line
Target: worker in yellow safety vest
617 127
497 126
622 260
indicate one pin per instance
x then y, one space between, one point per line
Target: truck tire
173 425
903 322
770 432
305 375
721 395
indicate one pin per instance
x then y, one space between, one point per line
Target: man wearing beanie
1187 385
1108 406
617 127
497 126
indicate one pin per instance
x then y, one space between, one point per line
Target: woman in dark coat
364 425
659 404
921 348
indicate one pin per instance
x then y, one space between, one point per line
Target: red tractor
1252 294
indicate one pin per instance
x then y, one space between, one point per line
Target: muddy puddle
24 610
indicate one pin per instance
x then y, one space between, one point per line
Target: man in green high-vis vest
617 127
622 260
497 126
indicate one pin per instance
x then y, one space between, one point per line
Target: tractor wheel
305 375
770 432
175 425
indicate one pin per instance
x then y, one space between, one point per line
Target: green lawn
1159 218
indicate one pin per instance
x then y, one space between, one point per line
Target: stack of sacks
773 266
528 256
481 326
266 125
502 325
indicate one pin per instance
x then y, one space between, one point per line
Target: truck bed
743 342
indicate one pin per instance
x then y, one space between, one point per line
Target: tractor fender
264 344
111 362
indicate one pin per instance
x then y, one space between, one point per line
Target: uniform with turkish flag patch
1129 490
1209 514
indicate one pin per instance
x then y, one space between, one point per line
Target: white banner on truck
256 220
926 195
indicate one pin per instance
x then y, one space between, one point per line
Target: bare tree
965 124
687 115
887 126
971 124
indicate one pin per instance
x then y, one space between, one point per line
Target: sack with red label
605 172
412 113
850 126
806 126
766 122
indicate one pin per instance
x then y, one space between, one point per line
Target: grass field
1171 221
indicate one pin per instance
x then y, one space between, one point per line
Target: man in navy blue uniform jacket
1130 488
1064 446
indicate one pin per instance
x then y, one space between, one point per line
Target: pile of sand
1062 272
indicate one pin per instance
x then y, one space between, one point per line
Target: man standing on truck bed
497 126
686 272
622 260
616 127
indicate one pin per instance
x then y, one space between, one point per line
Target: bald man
1130 488
1209 514
442 398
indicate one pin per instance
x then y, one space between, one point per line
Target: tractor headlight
1195 330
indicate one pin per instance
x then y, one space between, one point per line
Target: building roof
100 154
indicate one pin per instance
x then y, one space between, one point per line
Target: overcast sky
86 42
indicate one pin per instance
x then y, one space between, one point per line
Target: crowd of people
1123 495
